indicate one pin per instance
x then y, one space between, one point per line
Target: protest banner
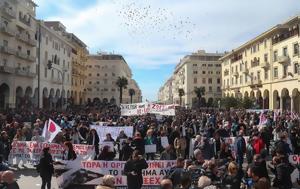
110 144
164 141
29 152
91 173
145 108
150 148
114 131
135 109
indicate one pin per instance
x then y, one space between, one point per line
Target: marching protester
133 170
8 180
45 168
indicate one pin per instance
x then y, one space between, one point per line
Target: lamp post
62 73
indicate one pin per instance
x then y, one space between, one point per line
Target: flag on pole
52 130
262 118
44 133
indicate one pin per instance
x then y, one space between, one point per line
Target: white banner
29 152
91 173
113 130
145 108
295 160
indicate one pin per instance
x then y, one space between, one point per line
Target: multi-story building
266 68
55 82
103 70
17 53
79 55
199 69
165 92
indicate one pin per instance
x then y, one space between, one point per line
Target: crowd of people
258 159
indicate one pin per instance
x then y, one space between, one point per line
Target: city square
149 94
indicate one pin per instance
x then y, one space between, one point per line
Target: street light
62 73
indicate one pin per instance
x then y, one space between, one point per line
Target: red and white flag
262 118
50 131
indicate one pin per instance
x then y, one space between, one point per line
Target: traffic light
49 65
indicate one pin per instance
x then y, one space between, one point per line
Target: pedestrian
9 181
133 170
241 148
45 168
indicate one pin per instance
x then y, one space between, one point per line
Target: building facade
18 67
266 68
55 83
103 70
199 69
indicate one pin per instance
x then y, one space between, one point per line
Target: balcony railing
7 50
235 74
8 12
56 80
7 69
31 58
255 83
245 70
21 55
283 59
265 65
24 73
26 40
6 30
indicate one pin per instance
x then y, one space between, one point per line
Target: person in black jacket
283 171
133 170
93 139
69 153
45 168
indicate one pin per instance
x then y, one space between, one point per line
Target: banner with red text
29 152
91 173
145 108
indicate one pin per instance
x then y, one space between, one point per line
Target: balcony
56 81
265 65
283 59
8 12
245 70
21 55
7 69
24 73
255 83
22 37
6 30
235 74
26 40
31 58
7 50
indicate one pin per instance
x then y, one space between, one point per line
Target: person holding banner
150 140
133 170
69 153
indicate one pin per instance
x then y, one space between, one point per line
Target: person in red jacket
258 144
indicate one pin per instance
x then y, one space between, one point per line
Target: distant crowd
197 140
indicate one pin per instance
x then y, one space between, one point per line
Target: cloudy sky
153 35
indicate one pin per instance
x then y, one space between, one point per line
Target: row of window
209 81
103 90
98 75
102 67
208 72
208 65
296 70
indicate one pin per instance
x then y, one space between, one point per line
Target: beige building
266 68
55 83
102 72
18 68
199 69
